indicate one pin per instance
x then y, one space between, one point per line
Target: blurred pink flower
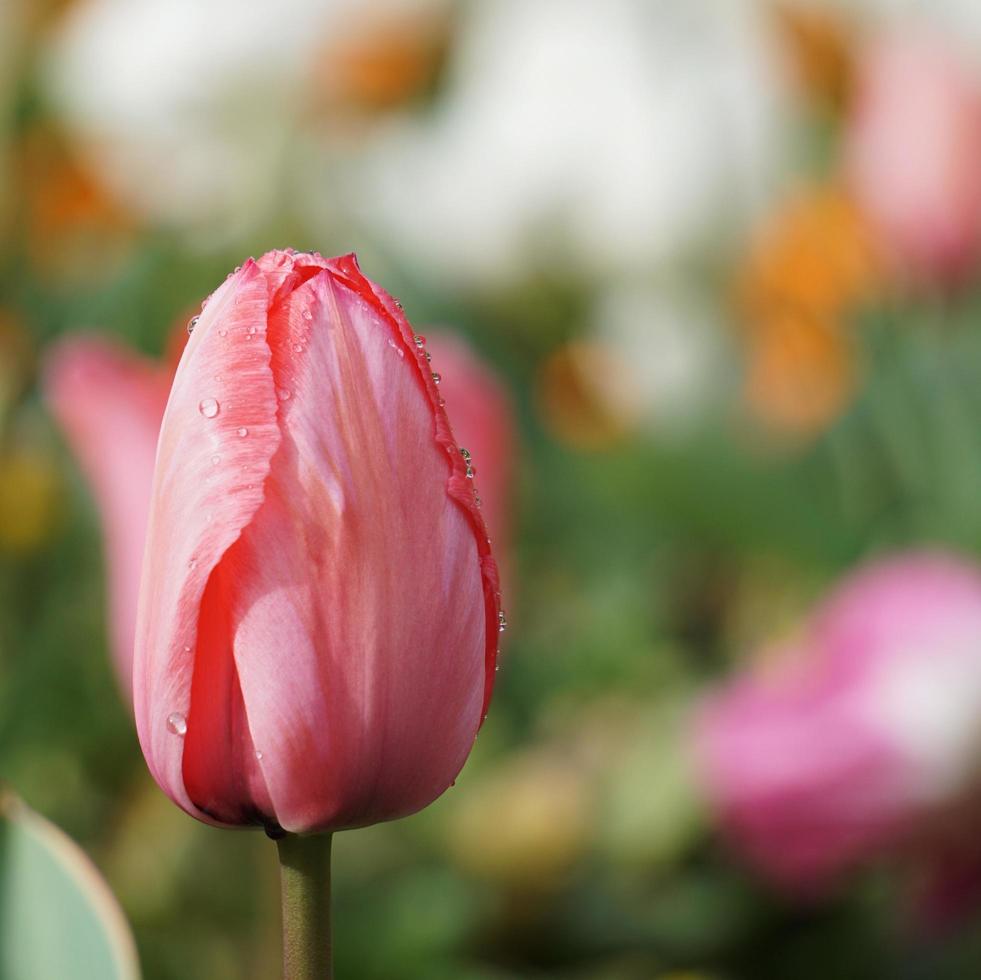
109 402
866 734
913 153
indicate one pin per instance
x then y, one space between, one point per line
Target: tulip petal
218 436
373 624
109 404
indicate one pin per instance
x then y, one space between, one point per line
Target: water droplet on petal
284 394
215 460
177 724
223 332
307 315
187 649
258 755
419 340
192 323
502 622
298 348
209 407
395 347
243 431
436 378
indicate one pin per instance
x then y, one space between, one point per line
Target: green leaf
58 919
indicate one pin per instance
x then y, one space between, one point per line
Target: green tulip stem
304 874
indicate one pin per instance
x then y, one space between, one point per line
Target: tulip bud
318 620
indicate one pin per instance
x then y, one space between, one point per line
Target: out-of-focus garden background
724 257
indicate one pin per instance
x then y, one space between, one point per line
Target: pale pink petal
218 436
109 403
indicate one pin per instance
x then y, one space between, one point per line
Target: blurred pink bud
109 403
913 153
318 620
868 732
483 422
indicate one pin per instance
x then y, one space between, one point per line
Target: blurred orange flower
812 263
380 62
819 47
801 372
816 253
581 397
74 229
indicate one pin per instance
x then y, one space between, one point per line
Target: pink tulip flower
319 610
913 154
483 421
109 402
864 738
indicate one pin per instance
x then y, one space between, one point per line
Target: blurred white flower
189 110
960 18
596 132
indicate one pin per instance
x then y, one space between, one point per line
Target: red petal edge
460 489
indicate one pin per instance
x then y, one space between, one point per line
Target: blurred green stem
304 874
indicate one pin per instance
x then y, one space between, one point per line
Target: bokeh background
723 257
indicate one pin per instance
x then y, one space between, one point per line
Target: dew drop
209 407
398 304
436 378
252 331
258 755
192 323
419 341
176 724
395 347
427 355
192 564
502 622
223 332
284 394
187 649
298 348
307 315
243 431
441 401
215 460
